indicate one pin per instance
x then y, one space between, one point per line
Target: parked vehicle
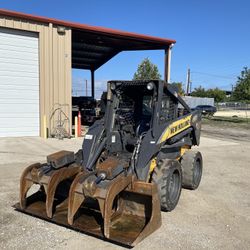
87 106
206 109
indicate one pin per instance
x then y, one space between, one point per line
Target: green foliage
242 89
147 71
178 85
217 94
199 92
240 93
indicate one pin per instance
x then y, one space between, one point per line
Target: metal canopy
90 50
93 46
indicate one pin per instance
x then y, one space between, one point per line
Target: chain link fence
233 109
232 106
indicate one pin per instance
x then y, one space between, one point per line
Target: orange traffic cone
79 127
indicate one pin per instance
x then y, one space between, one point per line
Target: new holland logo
175 128
179 127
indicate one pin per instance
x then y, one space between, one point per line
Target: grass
227 121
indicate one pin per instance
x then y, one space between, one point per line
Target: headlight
112 86
150 85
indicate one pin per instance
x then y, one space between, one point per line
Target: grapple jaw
59 168
125 211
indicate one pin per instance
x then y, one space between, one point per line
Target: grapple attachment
108 202
52 178
122 210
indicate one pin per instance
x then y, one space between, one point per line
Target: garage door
19 83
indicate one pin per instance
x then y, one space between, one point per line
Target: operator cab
134 109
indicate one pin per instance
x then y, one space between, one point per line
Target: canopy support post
93 83
167 63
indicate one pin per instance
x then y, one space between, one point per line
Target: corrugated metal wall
55 67
193 101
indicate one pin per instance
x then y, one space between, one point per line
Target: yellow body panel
175 128
152 165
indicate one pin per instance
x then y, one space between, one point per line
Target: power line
214 75
233 66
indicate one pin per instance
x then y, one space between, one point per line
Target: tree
178 86
242 89
147 70
199 92
218 94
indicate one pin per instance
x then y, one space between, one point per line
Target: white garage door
19 83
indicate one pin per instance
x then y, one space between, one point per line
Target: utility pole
86 82
188 82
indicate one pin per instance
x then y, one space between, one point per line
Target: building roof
93 46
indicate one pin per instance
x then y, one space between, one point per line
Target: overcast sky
213 36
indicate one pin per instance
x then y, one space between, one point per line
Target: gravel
215 216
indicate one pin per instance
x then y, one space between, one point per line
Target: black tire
191 164
168 177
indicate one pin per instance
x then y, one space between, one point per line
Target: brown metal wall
55 67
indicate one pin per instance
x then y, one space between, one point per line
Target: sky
213 37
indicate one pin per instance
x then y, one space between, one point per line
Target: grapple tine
76 197
155 219
119 185
26 183
139 214
57 177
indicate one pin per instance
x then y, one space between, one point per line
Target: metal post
86 85
188 82
167 63
93 83
76 127
45 127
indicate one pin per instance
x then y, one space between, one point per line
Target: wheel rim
174 186
197 172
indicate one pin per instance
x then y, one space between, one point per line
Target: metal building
37 55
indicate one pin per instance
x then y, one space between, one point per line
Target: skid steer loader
133 164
